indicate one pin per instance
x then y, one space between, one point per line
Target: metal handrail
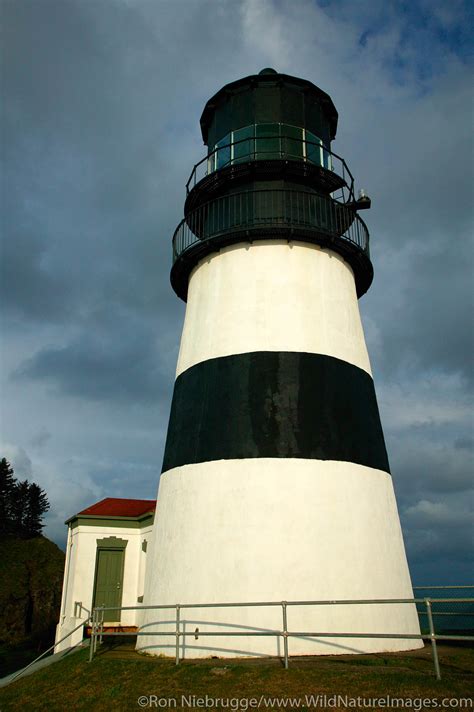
19 673
98 631
256 209
250 604
201 169
440 588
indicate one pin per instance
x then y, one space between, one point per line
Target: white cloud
426 514
432 399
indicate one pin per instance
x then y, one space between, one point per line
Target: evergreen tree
22 505
19 507
37 505
7 485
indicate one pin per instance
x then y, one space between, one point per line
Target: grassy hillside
31 573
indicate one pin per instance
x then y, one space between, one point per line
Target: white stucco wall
79 575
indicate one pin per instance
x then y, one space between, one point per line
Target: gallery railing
272 147
287 211
98 630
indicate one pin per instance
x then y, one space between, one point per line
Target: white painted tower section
272 296
275 529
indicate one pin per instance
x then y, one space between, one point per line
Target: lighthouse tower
275 483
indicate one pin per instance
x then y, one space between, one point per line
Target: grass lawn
118 676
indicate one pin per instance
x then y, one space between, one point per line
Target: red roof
113 507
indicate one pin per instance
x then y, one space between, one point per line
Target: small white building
105 564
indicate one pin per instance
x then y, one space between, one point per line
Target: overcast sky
100 130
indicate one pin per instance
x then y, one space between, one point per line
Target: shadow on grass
13 657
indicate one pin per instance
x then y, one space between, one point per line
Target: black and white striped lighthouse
275 484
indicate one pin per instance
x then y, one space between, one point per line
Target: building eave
100 520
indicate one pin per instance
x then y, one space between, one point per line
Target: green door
108 581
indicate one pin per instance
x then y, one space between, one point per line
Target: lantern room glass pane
243 144
267 142
313 148
326 158
211 163
292 141
223 152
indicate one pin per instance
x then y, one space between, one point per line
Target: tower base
245 531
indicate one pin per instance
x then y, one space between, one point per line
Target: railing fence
98 624
276 208
258 148
425 607
21 672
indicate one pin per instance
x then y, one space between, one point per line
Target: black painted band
275 404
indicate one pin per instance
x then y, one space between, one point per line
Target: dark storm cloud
439 532
87 173
432 476
425 316
438 331
424 467
27 287
119 359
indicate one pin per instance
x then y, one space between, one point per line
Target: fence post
433 638
285 634
96 630
91 645
177 635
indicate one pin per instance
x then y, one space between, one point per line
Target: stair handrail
51 647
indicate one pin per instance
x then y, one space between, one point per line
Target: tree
18 507
22 505
37 505
7 484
